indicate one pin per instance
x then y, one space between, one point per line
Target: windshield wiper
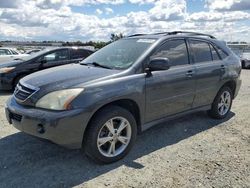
97 65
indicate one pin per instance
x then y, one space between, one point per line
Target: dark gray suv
102 103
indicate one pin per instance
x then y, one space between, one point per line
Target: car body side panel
208 80
169 92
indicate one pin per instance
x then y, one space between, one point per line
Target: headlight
58 100
6 69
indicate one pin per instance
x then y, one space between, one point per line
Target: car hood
9 62
66 76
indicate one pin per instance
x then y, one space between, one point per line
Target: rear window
201 51
79 53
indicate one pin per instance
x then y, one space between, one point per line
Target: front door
170 91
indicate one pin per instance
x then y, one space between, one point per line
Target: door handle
222 67
190 73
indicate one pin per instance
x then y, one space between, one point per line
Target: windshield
120 54
31 56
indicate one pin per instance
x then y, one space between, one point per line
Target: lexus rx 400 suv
102 103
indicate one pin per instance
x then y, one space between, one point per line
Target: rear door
209 70
170 91
55 58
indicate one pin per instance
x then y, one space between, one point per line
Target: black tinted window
175 51
201 51
59 55
214 53
79 54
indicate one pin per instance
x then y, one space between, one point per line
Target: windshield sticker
146 40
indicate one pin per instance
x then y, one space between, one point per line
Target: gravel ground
193 151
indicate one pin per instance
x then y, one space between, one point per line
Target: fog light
40 129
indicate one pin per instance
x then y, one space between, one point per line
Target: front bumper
65 128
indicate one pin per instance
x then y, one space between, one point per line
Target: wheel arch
232 85
127 104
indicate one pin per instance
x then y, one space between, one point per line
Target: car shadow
26 161
6 93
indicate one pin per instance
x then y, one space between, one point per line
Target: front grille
15 117
22 92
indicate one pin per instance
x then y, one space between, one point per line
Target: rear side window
201 51
175 51
79 54
214 53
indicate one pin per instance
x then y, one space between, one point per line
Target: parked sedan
15 69
245 60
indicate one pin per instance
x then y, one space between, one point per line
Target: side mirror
158 64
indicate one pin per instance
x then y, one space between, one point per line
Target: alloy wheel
114 137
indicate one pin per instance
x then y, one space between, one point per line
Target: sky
85 20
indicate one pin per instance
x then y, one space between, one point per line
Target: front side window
59 55
201 51
175 51
120 54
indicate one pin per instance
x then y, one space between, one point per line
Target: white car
245 60
10 53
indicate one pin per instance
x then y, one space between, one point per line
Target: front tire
111 135
222 104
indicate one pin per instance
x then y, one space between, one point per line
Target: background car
245 60
15 69
32 51
9 53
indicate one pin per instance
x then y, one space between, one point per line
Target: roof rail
191 33
175 33
138 34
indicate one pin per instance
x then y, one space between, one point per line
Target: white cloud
109 11
228 5
98 11
218 16
142 1
56 20
168 10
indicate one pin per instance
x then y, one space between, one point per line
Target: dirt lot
193 151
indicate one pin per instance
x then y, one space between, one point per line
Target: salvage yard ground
193 151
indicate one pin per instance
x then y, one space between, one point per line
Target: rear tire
222 103
110 135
